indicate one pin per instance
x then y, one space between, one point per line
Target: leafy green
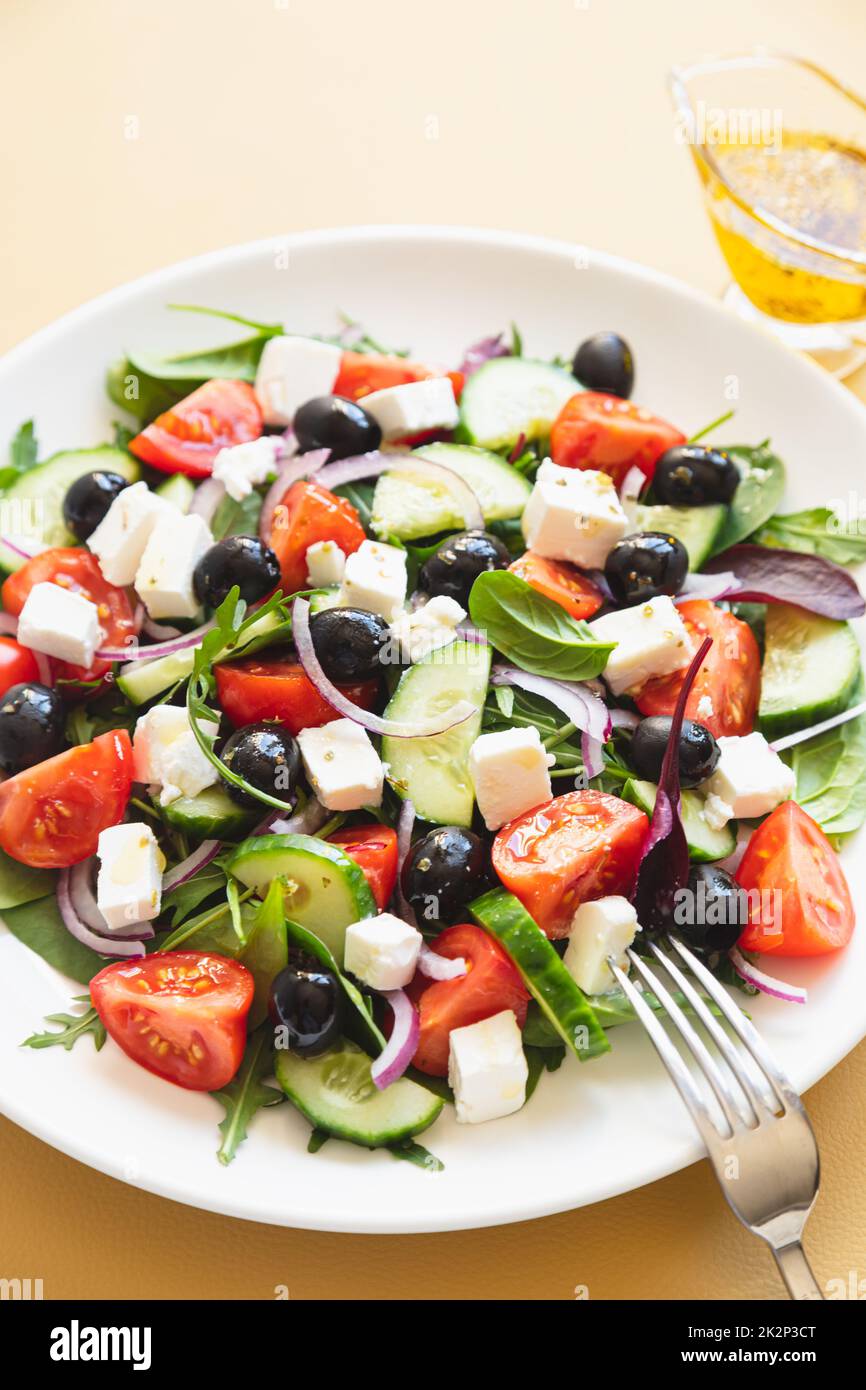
831 774
318 1139
762 484
23 453
21 884
183 900
713 425
360 495
533 631
308 941
40 927
71 1028
417 1154
247 1093
233 518
817 531
363 341
266 951
541 1059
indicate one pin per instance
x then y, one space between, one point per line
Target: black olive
306 1000
349 643
456 564
32 725
442 873
88 499
604 362
242 560
335 423
698 751
643 566
267 757
691 476
712 912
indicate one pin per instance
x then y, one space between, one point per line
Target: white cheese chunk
382 951
291 371
750 779
651 640
573 514
510 774
166 754
413 408
119 540
129 882
487 1069
164 579
432 625
326 563
599 929
343 767
60 623
375 578
244 466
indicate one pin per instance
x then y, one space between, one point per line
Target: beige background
258 117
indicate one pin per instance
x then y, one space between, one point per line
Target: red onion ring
17 550
134 653
295 467
437 967
624 719
400 1048
405 824
8 625
160 632
792 994
580 705
207 850
84 905
304 822
104 945
591 750
207 498
43 666
374 723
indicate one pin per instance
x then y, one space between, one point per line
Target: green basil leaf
247 1093
762 484
533 631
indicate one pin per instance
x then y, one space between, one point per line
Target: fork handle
796 1272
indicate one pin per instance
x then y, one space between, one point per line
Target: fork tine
672 1060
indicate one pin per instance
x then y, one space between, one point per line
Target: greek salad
357 713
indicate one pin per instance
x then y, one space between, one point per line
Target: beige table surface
258 117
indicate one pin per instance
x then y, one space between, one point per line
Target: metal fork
762 1147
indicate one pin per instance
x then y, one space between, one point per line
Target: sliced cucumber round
34 502
325 889
705 844
433 773
697 527
811 665
336 1093
321 599
210 815
560 997
409 505
510 397
178 490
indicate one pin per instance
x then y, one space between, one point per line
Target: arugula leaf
817 531
533 631
23 453
713 425
762 484
318 1139
265 330
831 774
40 926
71 1028
417 1154
247 1093
183 900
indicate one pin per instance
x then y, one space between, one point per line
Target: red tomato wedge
187 438
78 571
492 983
180 1014
363 372
725 695
560 582
51 814
280 690
374 849
580 846
594 430
309 513
17 664
799 901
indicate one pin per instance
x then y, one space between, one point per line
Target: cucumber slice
697 527
434 772
811 665
178 490
210 815
20 884
321 599
705 844
146 679
325 889
510 397
38 496
409 505
501 490
560 997
336 1093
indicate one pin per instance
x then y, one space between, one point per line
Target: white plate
590 1131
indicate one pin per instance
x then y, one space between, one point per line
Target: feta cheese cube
166 753
119 540
129 882
375 579
244 466
326 563
342 766
599 929
509 772
291 371
487 1069
413 408
60 623
432 625
750 778
382 951
573 514
651 640
164 578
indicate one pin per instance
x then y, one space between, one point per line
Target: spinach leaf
247 1093
817 531
40 926
533 631
762 484
23 453
831 774
361 497
183 900
71 1028
20 884
233 518
541 1059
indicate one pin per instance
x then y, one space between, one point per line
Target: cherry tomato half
188 437
560 582
252 690
309 513
374 849
726 691
363 372
17 664
594 430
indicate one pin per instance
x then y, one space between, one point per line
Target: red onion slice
207 498
160 632
207 850
43 666
790 740
399 1050
632 484
592 752
304 822
371 465
291 471
580 705
17 546
134 653
708 586
437 967
8 625
374 723
104 945
779 989
624 719
484 351
84 905
405 825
